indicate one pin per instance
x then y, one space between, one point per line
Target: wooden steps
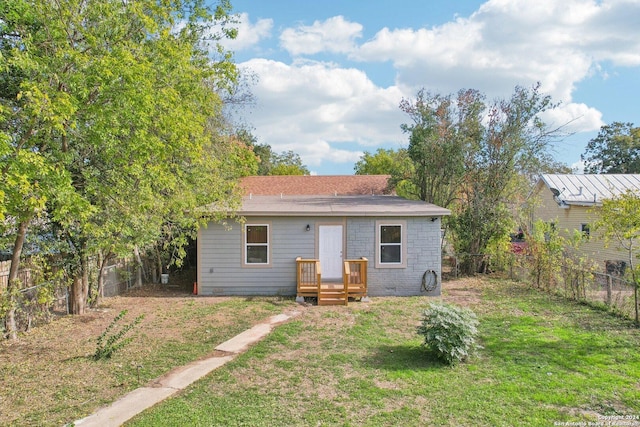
332 294
353 285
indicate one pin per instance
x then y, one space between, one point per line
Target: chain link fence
117 278
36 305
613 291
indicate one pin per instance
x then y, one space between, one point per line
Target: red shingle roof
315 185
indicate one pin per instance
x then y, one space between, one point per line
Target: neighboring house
327 218
571 202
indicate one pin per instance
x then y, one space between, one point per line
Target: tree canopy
110 115
395 163
616 149
271 163
472 156
382 162
619 222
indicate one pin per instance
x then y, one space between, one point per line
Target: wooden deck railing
309 281
355 277
308 277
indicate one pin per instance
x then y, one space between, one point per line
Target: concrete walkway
180 378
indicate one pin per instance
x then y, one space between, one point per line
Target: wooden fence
24 276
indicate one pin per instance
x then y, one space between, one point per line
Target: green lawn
544 361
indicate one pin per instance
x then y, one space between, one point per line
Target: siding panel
569 220
423 253
220 269
220 262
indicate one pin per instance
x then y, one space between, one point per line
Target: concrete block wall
423 253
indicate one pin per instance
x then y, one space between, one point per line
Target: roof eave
435 213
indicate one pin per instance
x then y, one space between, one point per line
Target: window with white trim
256 244
391 243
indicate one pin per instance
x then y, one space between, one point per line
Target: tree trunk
91 298
159 261
102 261
140 268
154 273
79 290
636 286
12 284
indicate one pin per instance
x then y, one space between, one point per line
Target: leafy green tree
619 223
110 121
545 254
270 163
382 162
395 163
498 150
265 156
435 148
287 163
616 149
576 266
32 181
470 156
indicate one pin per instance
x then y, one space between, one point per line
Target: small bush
109 344
449 331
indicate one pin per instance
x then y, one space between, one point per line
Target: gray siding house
400 238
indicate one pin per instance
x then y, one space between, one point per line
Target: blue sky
329 75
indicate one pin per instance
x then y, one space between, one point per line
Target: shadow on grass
277 301
81 357
575 345
403 357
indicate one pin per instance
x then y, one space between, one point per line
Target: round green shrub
449 331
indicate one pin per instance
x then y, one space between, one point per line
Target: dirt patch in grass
466 292
48 376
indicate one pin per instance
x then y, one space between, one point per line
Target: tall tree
265 155
270 163
382 162
616 149
507 139
434 146
619 223
287 163
470 156
118 100
395 163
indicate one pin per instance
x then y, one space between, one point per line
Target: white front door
330 251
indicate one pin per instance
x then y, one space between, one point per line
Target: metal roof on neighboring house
338 206
298 185
589 189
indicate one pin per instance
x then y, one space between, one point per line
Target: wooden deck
310 284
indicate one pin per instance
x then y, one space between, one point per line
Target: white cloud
578 167
322 112
512 42
573 117
333 35
315 153
328 112
249 34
